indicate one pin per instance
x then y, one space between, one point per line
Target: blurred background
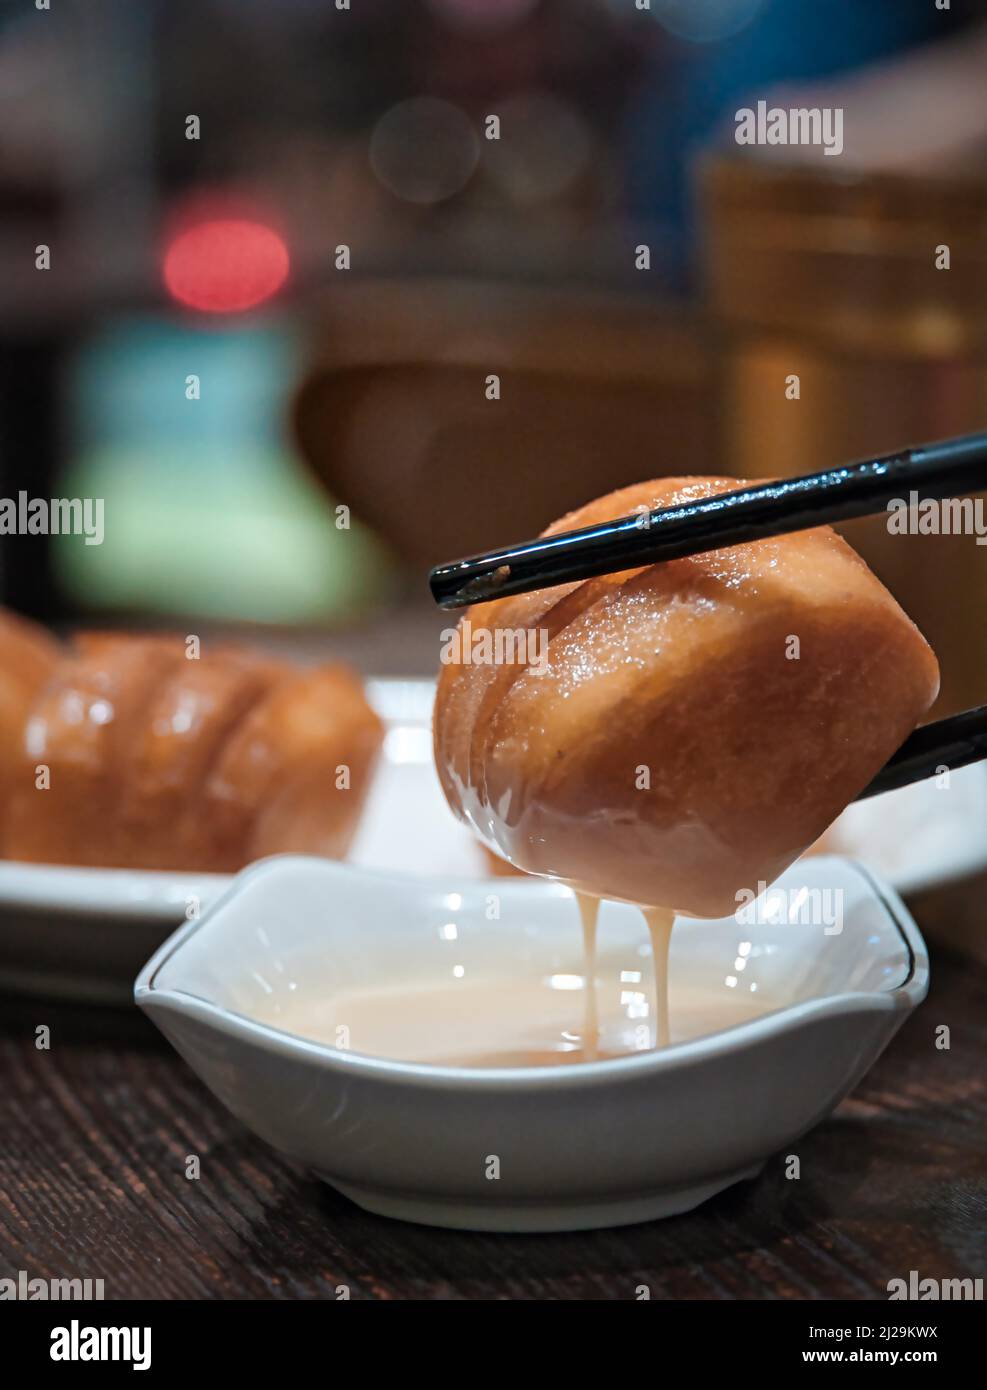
261 258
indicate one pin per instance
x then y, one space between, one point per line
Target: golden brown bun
671 751
27 659
161 761
191 715
81 729
281 781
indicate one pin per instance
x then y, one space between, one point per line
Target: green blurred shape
205 511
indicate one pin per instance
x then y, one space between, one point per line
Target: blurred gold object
395 412
834 280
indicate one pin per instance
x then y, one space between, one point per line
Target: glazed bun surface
157 761
27 659
696 725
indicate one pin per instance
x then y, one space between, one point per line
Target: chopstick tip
449 592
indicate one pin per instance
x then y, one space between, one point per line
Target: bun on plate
158 761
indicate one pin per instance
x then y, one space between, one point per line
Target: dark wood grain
94 1135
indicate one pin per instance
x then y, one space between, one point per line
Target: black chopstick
948 468
948 743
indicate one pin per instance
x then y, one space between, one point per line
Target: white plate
84 933
647 1134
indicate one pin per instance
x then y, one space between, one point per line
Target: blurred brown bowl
596 391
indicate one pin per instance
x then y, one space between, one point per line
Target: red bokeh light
225 266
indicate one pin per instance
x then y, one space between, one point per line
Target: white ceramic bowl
584 1145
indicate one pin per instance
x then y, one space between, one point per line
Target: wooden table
94 1136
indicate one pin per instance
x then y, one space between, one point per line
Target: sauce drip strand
660 922
589 912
